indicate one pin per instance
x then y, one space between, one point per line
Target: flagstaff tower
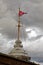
18 51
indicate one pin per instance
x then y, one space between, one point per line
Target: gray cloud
34 9
35 38
8 22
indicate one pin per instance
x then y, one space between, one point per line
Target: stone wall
8 60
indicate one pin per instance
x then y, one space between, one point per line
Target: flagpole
19 26
20 14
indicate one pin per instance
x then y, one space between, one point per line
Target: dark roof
8 56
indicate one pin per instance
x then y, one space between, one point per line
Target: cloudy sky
32 30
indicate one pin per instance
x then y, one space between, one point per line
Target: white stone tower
18 51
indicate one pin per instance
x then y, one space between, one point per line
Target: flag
21 13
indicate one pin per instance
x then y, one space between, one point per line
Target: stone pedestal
19 52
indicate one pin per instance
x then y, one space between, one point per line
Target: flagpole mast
19 25
20 14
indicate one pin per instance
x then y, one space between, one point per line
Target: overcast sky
32 30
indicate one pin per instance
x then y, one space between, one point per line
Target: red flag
21 13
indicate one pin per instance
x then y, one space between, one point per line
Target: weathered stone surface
8 60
